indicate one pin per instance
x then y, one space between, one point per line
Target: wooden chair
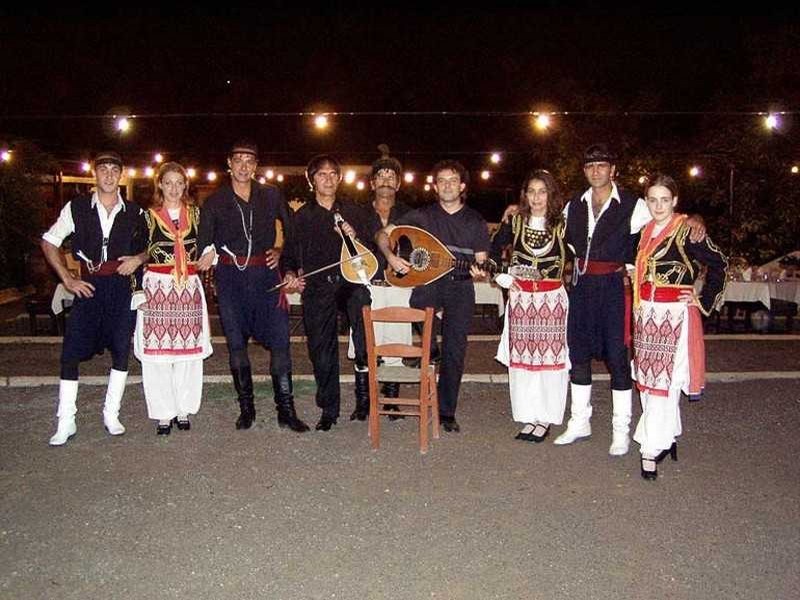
426 405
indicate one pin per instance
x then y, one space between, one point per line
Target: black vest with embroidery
161 249
126 237
612 240
528 242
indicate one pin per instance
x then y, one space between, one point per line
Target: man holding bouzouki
326 231
464 234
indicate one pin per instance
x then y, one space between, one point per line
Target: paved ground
267 513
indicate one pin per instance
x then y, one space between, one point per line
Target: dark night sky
280 60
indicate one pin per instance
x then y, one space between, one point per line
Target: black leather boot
284 403
391 389
243 382
362 396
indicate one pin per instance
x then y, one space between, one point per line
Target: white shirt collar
96 199
587 195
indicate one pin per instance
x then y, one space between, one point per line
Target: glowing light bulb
123 125
191 172
360 185
212 176
542 122
321 122
350 177
485 175
694 171
495 158
771 122
409 177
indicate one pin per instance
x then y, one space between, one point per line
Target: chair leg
434 396
374 426
424 405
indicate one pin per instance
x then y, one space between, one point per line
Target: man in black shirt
238 221
318 243
386 209
463 230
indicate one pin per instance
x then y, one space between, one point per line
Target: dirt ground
267 513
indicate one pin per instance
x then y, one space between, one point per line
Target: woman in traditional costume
669 355
534 341
172 330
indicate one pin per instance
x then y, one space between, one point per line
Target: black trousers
596 329
457 299
322 299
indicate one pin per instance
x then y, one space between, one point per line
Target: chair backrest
398 314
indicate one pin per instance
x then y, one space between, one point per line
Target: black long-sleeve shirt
316 241
227 220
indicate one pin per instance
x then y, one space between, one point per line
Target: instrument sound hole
420 259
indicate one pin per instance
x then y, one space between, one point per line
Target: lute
430 259
358 264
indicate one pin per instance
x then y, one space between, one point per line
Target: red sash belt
107 268
653 293
259 260
599 267
542 285
167 269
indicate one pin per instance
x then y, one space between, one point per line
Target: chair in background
426 405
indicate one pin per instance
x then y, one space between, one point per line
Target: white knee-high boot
578 425
116 387
67 407
620 422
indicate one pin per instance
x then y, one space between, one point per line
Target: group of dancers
140 277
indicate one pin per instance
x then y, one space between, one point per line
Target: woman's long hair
555 199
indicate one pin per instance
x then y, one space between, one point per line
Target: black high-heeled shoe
672 451
162 429
647 473
183 425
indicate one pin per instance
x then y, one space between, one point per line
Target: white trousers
660 422
172 389
538 396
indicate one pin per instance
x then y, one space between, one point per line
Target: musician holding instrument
534 341
326 229
465 235
238 226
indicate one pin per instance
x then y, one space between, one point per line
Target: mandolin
358 264
430 259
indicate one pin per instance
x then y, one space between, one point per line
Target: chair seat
399 374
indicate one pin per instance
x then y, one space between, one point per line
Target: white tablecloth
488 293
747 291
789 291
61 298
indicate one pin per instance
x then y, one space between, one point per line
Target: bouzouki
358 264
430 259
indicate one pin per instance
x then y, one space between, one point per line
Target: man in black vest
238 224
109 238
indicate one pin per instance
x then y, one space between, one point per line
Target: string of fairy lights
541 121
